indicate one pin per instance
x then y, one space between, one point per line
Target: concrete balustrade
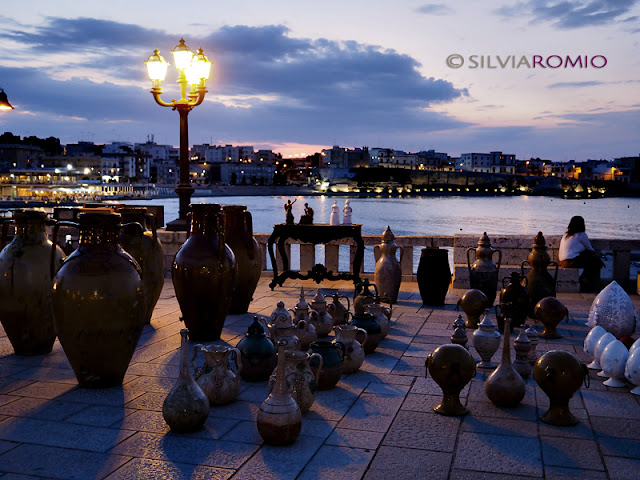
515 249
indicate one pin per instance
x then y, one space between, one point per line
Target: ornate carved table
314 234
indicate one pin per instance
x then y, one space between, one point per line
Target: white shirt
571 247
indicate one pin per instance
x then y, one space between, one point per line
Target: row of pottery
613 359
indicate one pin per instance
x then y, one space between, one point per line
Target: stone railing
515 249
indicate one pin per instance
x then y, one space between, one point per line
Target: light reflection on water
449 215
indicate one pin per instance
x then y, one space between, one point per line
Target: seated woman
576 252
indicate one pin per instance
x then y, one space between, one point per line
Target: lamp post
193 71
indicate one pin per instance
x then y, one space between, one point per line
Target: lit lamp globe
156 68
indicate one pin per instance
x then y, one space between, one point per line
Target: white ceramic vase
590 344
613 360
605 340
632 369
613 310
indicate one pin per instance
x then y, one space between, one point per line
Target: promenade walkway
376 424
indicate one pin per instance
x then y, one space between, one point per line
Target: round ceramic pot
369 324
451 367
332 353
257 353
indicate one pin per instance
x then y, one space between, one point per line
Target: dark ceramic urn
452 367
258 354
332 354
369 324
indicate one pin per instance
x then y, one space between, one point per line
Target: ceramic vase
257 353
286 335
533 336
319 316
459 336
514 301
505 387
484 273
522 345
147 250
540 283
219 377
25 284
451 367
204 273
368 323
632 370
388 272
337 310
354 353
98 302
306 332
377 310
613 360
550 311
280 317
601 344
279 419
301 379
364 293
332 353
473 302
486 341
433 276
559 374
590 344
613 310
186 408
301 312
238 234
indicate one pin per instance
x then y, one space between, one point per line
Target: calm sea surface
449 215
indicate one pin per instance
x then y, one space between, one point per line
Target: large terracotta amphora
301 379
238 234
433 276
388 272
514 301
483 273
25 284
219 377
204 273
147 250
98 302
539 281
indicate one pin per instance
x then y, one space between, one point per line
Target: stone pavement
376 424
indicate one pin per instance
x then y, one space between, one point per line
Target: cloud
435 9
569 14
576 84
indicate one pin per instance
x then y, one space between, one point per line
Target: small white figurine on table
335 214
346 219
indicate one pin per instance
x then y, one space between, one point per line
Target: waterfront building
492 162
340 157
19 156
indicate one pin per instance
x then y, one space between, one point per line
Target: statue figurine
346 219
307 218
335 214
288 207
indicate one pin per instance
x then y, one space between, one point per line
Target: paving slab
394 462
148 469
622 468
571 453
426 431
341 462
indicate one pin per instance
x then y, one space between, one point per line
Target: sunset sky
299 76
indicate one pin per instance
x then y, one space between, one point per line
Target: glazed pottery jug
505 387
98 302
306 332
550 311
632 369
301 312
559 374
219 377
337 310
25 284
590 344
354 353
459 336
279 419
286 335
452 367
204 273
238 234
186 408
301 379
514 301
332 353
321 318
522 345
601 344
281 317
388 272
377 310
540 283
613 360
363 295
433 276
533 336
473 302
484 273
613 310
147 251
486 341
369 324
257 353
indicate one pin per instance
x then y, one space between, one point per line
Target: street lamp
4 102
193 71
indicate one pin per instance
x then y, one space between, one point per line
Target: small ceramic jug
306 333
280 317
368 323
319 315
590 345
257 352
459 336
332 360
288 335
337 310
219 377
377 310
354 353
613 360
301 379
486 341
522 345
363 295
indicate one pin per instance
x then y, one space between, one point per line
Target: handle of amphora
376 252
522 267
237 357
499 259
469 250
364 332
316 374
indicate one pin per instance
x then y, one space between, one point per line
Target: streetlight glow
157 67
